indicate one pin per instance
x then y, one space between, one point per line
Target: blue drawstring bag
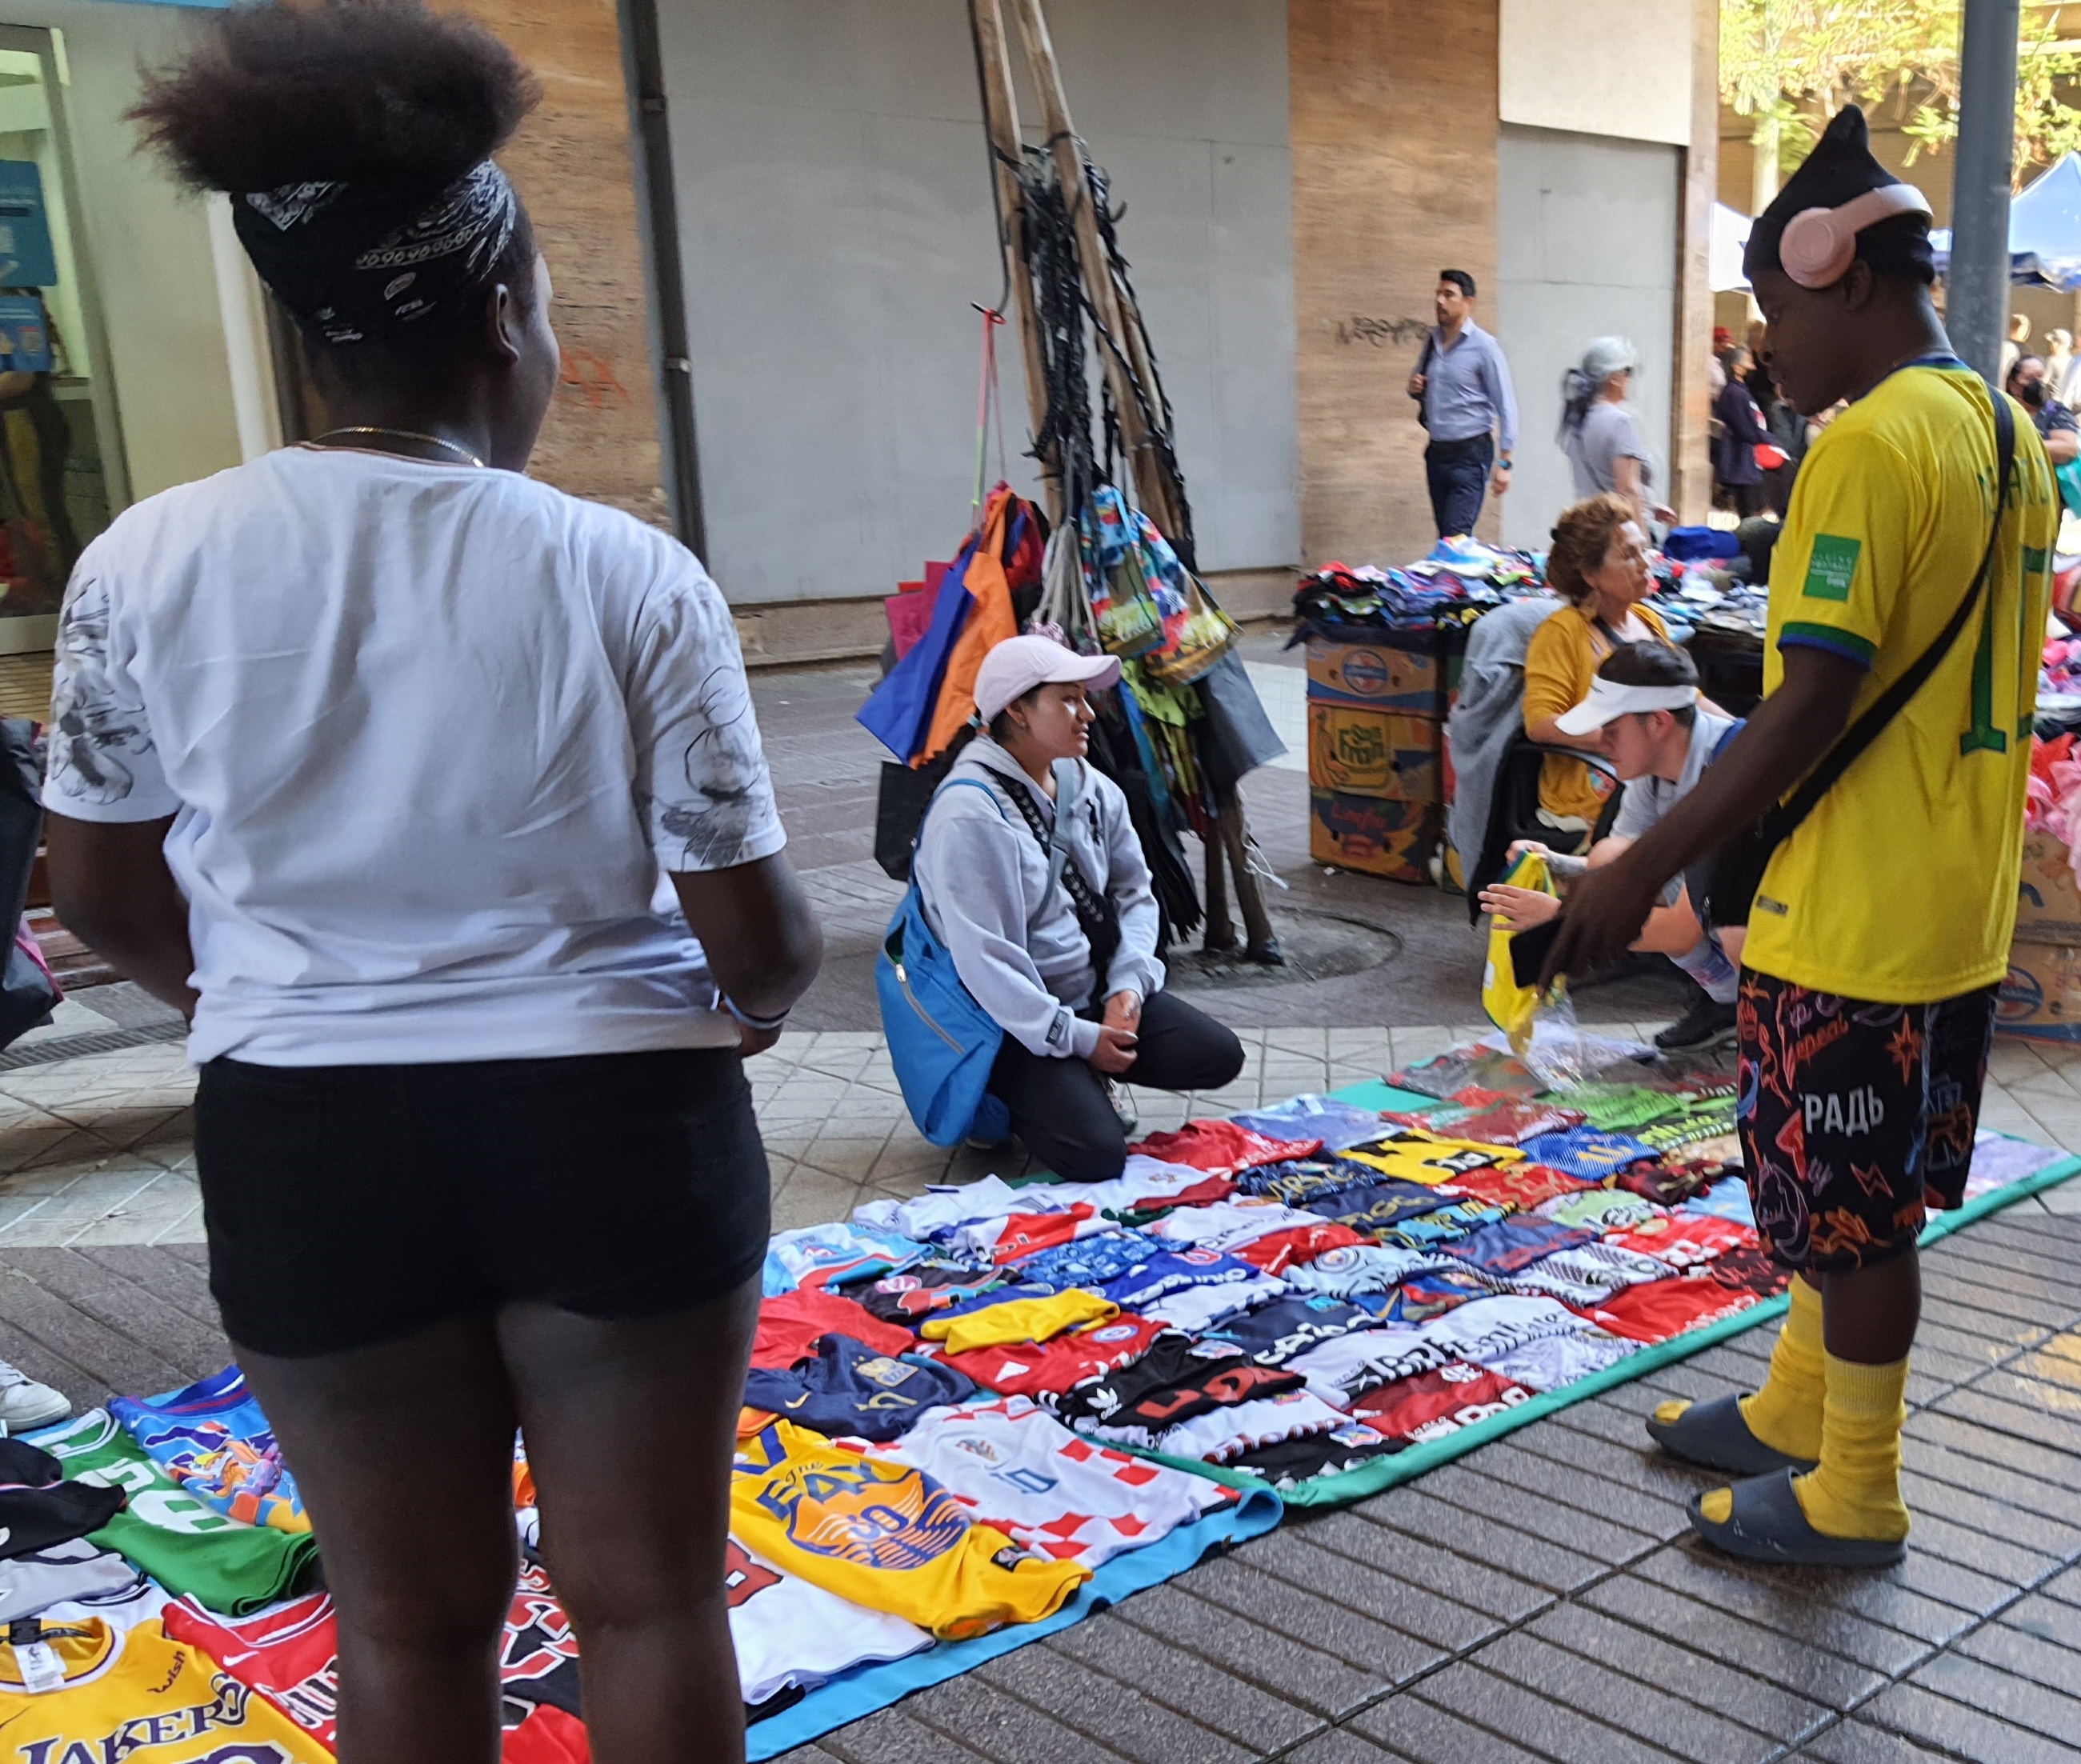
942 1042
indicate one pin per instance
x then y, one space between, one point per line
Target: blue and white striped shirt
1467 390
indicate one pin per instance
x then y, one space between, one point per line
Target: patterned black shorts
1855 1118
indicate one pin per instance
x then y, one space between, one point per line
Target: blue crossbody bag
942 1042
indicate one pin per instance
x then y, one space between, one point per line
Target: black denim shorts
347 1206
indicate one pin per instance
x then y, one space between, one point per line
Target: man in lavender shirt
1462 385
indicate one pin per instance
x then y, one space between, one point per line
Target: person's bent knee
1225 1063
1098 1163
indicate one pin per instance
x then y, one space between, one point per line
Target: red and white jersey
1015 1466
287 1654
790 1634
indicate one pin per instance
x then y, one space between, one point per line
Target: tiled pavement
1537 1601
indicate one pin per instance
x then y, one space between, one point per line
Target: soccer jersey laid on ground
1511 1246
790 1325
1023 1319
1888 522
1433 1404
849 1389
1292 1462
907 1299
1336 1125
1184 1380
90 1692
833 1255
1089 1262
1601 1209
1200 1307
213 1439
1362 1268
1513 1120
1172 1359
1228 1224
1276 1333
791 1635
1684 1239
1522 1186
886 1535
1352 1364
1588 1151
32 1519
1586 1276
1551 1361
1045 1369
1306 1180
1420 1156
1222 1148
1227 1432
1279 1250
1660 1308
1016 1468
1374 1205
1172 1271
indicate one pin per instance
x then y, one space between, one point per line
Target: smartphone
1528 951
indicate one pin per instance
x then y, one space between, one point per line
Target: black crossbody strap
1096 915
1780 822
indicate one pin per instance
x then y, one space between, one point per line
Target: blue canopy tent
2044 232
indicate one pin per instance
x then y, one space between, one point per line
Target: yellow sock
1786 1414
1855 1491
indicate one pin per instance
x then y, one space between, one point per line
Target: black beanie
1840 169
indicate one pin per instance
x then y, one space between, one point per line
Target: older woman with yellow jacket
1598 566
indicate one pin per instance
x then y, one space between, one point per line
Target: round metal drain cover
1317 946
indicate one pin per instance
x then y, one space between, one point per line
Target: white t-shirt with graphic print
431 735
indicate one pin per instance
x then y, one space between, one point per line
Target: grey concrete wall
836 225
1587 231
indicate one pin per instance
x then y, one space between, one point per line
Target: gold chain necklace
455 448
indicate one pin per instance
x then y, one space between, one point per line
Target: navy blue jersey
851 1388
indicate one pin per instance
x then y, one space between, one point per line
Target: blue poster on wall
25 339
26 257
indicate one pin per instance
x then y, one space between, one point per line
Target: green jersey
184 1544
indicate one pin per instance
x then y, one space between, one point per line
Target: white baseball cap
1609 699
1018 665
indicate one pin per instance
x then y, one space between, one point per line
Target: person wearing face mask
2030 386
1599 565
1660 738
1067 967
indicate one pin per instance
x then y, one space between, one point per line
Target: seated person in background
1068 970
1599 565
2028 386
1645 706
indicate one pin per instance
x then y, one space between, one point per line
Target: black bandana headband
359 262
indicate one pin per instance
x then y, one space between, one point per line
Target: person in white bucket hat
1067 969
1660 738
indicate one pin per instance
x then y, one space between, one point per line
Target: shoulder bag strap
1780 822
1095 912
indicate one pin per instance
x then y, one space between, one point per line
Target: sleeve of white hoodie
967 868
1135 968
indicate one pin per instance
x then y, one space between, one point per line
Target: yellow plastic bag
1512 1007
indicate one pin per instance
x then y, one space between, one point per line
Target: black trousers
1060 1109
1458 474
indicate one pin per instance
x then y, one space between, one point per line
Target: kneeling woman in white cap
1067 969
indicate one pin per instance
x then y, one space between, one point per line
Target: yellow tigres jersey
138 1697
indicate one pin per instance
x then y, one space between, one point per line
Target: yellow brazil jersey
886 1536
87 1693
1901 887
1020 1320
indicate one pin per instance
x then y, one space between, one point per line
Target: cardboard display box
1374 834
2041 996
1378 676
1367 753
2048 902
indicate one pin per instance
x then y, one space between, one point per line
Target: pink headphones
1818 243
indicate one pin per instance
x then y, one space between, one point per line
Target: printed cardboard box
1375 674
1374 752
2048 902
2040 998
1373 835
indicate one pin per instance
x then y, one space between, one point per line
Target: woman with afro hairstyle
434 797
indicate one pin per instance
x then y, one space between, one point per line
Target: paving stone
1325 1574
1471 1532
1427 1734
1976 1257
2010 1489
890 1738
1686 1379
1965 1732
1426 1565
1853 1742
1968 1437
111 1359
976 1714
1117 1717
1627 1466
1706 1679
1588 1687
1990 1688
2015 1564
1977 1404
1791 1608
1330 1630
2047 1615
2021 1648
1247 1713
1577 1486
1341 1745
1558 1730
1928 1497
130 1310
1766 1656
2015 1300
1289 1669
1463 1488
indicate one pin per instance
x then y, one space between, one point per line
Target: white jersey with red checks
1015 1466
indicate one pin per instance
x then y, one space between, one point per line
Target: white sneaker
25 1405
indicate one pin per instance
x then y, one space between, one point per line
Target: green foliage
1791 64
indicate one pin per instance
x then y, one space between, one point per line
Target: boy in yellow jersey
1882 926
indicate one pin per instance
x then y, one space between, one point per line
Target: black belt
1467 446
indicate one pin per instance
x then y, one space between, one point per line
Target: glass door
62 471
